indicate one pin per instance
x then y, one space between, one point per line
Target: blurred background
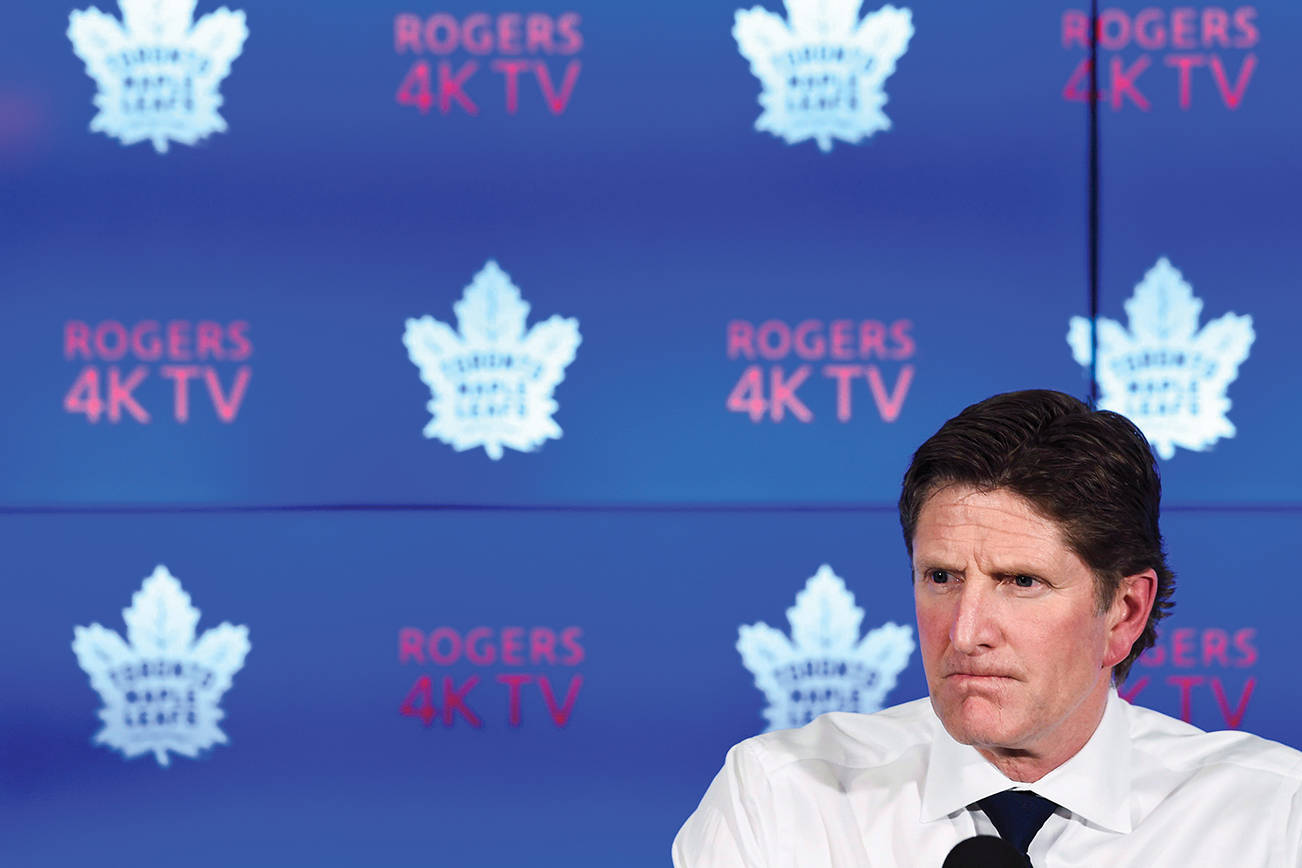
491 367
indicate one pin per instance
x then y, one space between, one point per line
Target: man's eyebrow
1028 567
937 562
1013 566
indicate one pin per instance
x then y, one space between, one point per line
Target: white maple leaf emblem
823 72
1164 374
157 74
825 665
492 383
162 686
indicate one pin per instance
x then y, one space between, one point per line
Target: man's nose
975 624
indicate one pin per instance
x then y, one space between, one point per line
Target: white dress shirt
894 790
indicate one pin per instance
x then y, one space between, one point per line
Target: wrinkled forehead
1002 528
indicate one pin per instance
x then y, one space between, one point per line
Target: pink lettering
741 339
1186 683
208 340
451 86
843 375
1216 27
114 349
570 642
1235 717
542 645
842 339
419 701
1182 28
227 406
1123 83
480 656
1232 96
146 343
1154 656
1075 29
1216 643
1243 22
889 406
1184 64
1243 644
454 700
511 69
1149 32
441 33
1182 645
477 33
83 395
774 329
809 340
556 101
782 394
748 395
872 339
567 26
181 376
1114 29
76 339
410 645
513 682
178 341
453 640
513 645
1074 89
538 33
905 346
406 33
242 347
120 397
560 714
509 33
1129 693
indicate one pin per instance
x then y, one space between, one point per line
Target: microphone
984 851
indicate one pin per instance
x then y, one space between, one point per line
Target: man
1039 577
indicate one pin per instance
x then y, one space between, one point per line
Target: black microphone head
984 851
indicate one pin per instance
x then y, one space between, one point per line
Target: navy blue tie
1018 815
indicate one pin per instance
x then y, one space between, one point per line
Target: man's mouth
965 675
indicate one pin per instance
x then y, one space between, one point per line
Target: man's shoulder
846 739
1181 746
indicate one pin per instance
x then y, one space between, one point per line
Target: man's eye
938 577
1024 581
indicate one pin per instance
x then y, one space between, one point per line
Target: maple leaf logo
1164 374
825 665
824 73
157 74
492 383
161 688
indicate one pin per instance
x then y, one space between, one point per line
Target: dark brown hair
1091 472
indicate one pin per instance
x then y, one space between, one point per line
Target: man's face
1012 642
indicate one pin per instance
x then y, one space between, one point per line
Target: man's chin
977 721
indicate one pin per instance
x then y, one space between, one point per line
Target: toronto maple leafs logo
161 687
157 69
492 382
825 665
1164 374
823 70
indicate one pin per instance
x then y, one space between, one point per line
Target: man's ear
1128 614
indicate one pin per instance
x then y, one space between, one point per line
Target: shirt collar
1094 784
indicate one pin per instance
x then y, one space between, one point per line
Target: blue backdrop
766 330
